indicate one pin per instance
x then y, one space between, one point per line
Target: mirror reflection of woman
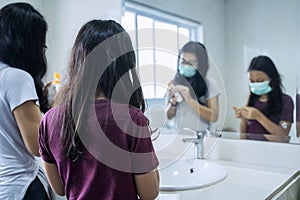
192 98
22 66
269 110
298 114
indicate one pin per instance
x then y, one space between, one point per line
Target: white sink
186 174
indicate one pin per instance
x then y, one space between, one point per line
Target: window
157 37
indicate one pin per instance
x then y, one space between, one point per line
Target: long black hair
197 83
266 65
102 62
22 43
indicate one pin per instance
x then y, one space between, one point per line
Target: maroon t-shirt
118 145
285 115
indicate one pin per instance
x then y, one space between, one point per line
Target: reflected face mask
187 70
260 88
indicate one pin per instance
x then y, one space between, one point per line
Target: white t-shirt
18 168
187 117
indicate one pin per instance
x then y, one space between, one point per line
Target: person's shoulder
53 113
11 73
213 87
53 110
9 69
137 115
121 109
287 98
135 111
210 81
3 65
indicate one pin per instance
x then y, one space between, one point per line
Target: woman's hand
239 115
250 113
184 91
172 101
238 112
46 89
208 112
172 96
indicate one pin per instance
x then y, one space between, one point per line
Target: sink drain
192 170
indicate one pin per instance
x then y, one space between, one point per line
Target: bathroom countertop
243 181
255 170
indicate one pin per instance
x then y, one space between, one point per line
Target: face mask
187 70
260 88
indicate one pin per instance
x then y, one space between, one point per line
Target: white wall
255 27
37 4
65 19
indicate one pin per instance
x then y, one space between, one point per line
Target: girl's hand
184 91
46 89
238 112
250 113
172 96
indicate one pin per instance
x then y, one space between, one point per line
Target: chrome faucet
199 141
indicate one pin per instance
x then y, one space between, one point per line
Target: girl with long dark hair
269 110
22 67
96 142
199 106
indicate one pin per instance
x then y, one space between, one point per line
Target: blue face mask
260 88
187 70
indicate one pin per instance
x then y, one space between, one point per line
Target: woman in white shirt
22 67
193 97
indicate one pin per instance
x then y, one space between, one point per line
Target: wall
65 19
38 4
256 27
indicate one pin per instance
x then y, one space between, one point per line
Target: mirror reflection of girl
298 114
199 106
269 110
95 141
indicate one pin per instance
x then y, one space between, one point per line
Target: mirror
235 31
